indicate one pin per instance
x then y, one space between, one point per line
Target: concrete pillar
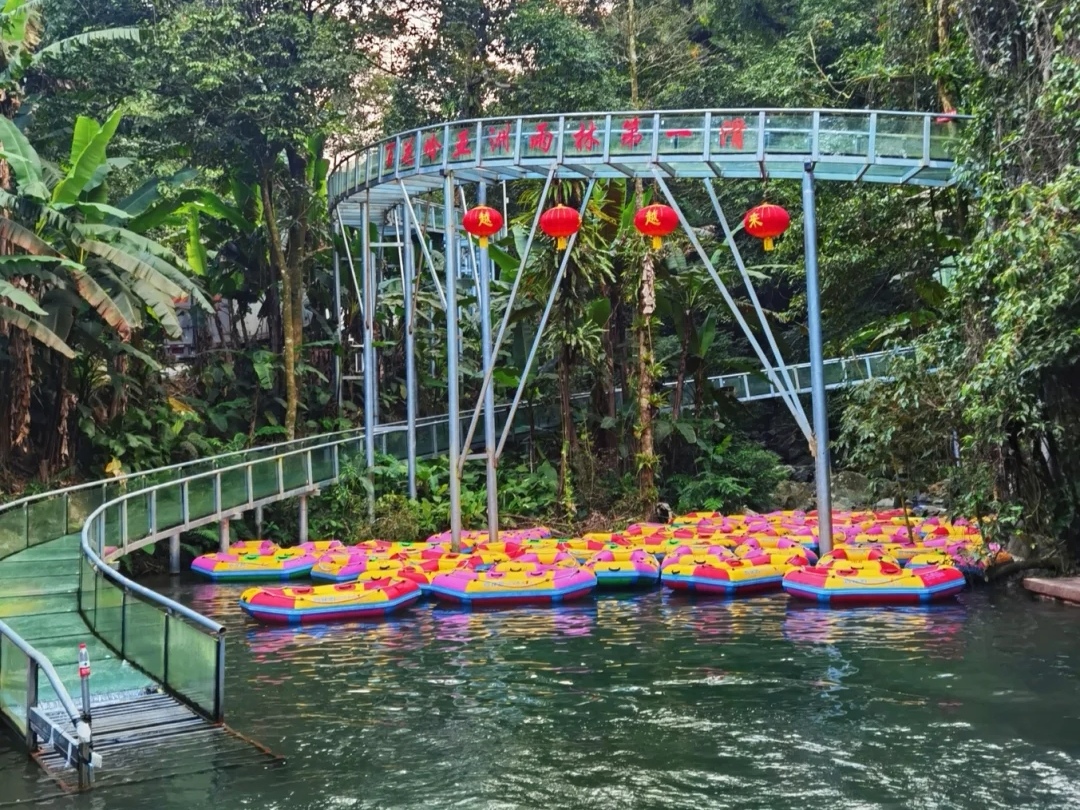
223 536
258 522
174 554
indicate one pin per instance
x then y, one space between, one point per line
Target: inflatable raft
323 603
874 583
280 564
534 584
623 568
347 566
709 573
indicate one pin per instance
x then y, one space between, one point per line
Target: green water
647 701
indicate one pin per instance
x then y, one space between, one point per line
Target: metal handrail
44 665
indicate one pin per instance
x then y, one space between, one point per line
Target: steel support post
510 304
817 364
303 531
223 536
483 293
767 366
369 348
258 522
408 263
781 366
565 259
339 326
174 554
453 406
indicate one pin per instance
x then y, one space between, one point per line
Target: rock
851 490
885 503
795 495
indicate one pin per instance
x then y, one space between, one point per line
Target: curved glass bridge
157 666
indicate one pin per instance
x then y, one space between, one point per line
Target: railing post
309 468
86 774
26 525
124 525
223 535
303 519
174 554
280 476
185 506
31 701
151 519
258 521
250 484
217 493
219 681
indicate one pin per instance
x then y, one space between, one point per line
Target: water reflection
933 631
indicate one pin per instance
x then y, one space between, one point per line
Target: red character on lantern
482 222
657 221
766 222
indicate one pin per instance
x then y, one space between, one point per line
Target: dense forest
161 157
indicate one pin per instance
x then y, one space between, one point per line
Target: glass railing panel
144 635
169 511
111 518
13 667
264 479
109 611
201 497
87 592
234 488
191 663
12 531
138 517
899 136
294 471
46 519
80 503
322 464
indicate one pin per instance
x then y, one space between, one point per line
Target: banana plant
65 242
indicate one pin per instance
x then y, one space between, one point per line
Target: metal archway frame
799 144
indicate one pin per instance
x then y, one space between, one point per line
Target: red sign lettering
432 147
585 139
543 138
731 132
389 162
499 138
631 132
408 151
461 146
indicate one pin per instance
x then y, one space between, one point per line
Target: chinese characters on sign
484 218
388 163
499 138
432 148
543 138
585 139
631 132
461 145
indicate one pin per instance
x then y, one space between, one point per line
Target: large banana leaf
150 192
12 234
23 159
37 330
93 293
19 297
137 266
84 166
82 40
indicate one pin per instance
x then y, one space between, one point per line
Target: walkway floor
39 600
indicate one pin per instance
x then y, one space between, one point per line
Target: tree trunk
277 258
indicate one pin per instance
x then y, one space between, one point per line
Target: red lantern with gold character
482 222
766 221
657 221
560 223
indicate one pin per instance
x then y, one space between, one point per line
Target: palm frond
12 234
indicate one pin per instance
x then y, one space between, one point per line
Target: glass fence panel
294 469
322 464
12 531
169 513
81 503
264 479
234 488
13 667
191 663
111 517
138 517
46 519
201 499
144 635
87 592
109 611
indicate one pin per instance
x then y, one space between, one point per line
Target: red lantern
657 221
766 221
560 223
482 221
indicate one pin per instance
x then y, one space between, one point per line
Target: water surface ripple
647 701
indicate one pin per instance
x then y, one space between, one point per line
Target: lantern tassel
561 244
657 243
768 243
